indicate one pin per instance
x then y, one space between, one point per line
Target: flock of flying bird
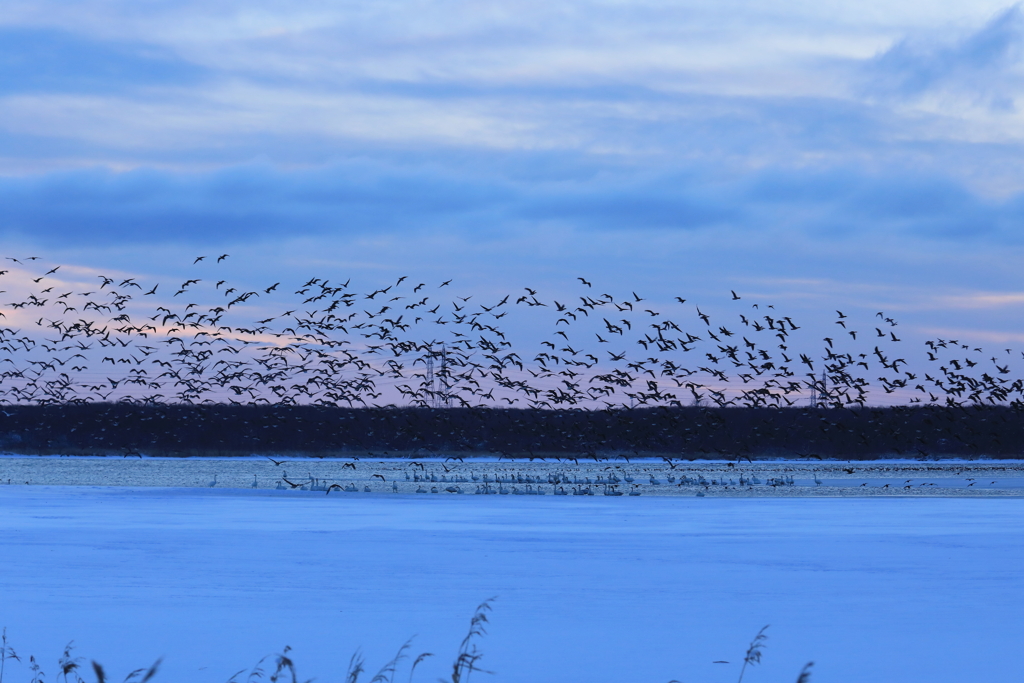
210 341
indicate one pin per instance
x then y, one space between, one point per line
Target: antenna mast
445 399
428 382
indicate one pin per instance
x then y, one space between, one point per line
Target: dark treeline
673 432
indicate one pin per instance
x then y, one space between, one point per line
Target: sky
818 155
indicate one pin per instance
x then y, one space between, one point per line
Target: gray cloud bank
355 199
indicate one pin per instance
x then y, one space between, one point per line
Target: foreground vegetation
280 668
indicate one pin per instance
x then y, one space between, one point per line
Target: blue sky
819 155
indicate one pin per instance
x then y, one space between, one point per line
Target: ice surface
589 589
644 477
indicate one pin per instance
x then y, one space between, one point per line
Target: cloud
631 88
235 204
983 65
984 300
48 60
478 197
910 202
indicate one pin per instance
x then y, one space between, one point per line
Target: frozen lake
589 588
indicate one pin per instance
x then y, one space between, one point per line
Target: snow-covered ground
588 588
